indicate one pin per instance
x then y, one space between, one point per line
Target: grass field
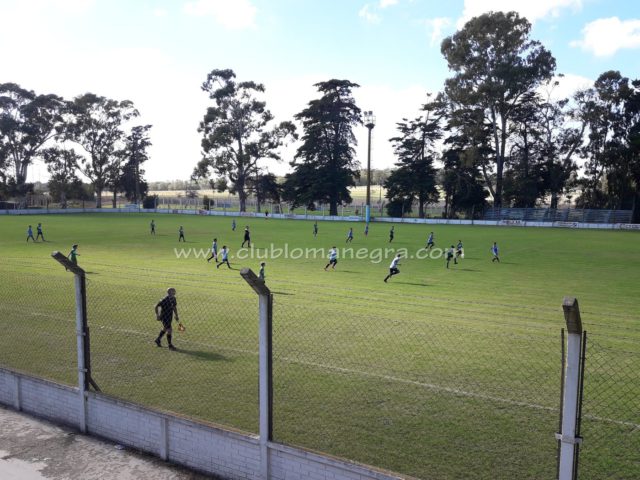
437 374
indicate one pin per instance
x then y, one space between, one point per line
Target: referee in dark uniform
165 310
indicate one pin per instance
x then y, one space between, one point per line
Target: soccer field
436 374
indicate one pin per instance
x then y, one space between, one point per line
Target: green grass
438 374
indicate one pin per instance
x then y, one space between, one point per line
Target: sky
157 53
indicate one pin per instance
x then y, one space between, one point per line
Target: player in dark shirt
247 237
39 232
165 310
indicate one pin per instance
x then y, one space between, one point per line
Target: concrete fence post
569 441
265 366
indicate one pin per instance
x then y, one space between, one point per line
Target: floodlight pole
265 366
369 122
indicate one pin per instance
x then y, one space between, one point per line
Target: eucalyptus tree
495 64
237 132
97 124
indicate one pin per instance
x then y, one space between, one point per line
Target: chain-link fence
610 411
414 395
421 391
214 373
37 320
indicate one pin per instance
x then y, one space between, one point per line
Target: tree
235 135
96 125
415 177
325 164
266 188
135 153
62 165
27 122
495 64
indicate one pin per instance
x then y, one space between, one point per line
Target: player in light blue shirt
350 236
30 234
225 257
214 250
494 250
393 268
430 242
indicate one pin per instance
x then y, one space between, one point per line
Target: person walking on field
393 268
261 275
315 229
153 227
247 237
233 225
165 311
181 234
30 234
73 254
450 255
39 232
494 250
225 257
214 250
391 233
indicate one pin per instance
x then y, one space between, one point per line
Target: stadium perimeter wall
203 447
427 221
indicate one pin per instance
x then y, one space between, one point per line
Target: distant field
359 194
437 374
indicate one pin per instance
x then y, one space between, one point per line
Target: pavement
34 449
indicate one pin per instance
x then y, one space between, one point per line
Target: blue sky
157 53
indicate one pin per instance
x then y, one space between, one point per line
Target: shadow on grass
417 284
202 355
282 293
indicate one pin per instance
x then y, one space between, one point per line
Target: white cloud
160 12
565 86
387 3
437 26
231 14
605 36
532 10
368 15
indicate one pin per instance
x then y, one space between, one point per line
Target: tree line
495 135
86 135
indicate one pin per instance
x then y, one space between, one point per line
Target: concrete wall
423 221
203 447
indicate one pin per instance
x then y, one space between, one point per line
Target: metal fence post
265 366
571 392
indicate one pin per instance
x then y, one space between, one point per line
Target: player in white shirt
393 268
333 259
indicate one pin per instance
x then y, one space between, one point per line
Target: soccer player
459 250
165 310
494 250
315 229
393 268
261 273
333 259
366 230
73 254
233 225
350 236
181 232
39 232
153 227
430 242
391 233
30 234
225 257
247 237
450 255
214 250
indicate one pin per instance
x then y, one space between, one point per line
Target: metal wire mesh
38 324
412 395
213 374
610 411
